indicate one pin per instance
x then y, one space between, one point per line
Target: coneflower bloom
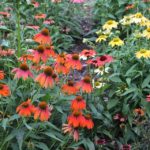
85 84
61 58
49 21
31 26
76 119
1 74
70 88
39 54
40 16
102 60
139 111
60 68
22 72
25 109
148 98
35 4
93 62
116 42
4 90
43 37
77 1
73 62
78 103
126 147
88 122
45 79
49 51
26 57
43 111
5 14
85 54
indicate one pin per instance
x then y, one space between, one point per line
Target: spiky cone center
103 58
62 55
70 83
138 15
25 105
143 51
48 47
40 49
75 57
43 105
1 86
24 67
94 61
48 71
79 98
110 22
116 40
97 83
54 75
45 32
76 113
87 79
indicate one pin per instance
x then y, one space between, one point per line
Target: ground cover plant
53 97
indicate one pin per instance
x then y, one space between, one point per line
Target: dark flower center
1 86
43 105
70 83
103 58
79 98
48 71
87 79
75 57
24 67
25 105
94 61
76 113
54 76
40 49
45 32
88 116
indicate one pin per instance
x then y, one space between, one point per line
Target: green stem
18 30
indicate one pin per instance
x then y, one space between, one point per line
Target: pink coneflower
22 72
31 26
126 147
49 50
148 98
40 16
49 21
35 4
85 84
5 14
77 1
102 60
93 62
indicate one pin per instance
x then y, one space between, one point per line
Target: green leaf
112 103
41 145
88 144
146 82
115 78
19 137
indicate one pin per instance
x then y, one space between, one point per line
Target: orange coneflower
73 62
25 109
43 111
45 79
43 37
26 57
70 88
49 50
76 119
1 74
22 72
85 84
61 68
39 54
85 54
5 14
40 16
61 58
88 122
4 90
139 111
78 103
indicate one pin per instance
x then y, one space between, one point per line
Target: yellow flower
110 24
101 38
126 20
146 33
143 53
138 18
116 42
98 84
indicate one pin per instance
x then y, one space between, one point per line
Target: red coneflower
61 58
1 74
31 26
102 60
61 68
93 62
88 122
69 88
78 103
85 84
39 54
126 147
40 16
25 109
4 90
43 111
85 54
43 37
76 119
73 62
45 79
22 72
